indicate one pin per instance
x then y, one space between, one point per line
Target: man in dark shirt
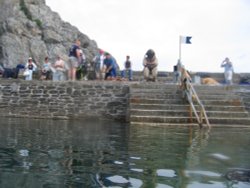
128 69
74 58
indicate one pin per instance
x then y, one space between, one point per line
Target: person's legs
154 74
61 76
227 77
29 77
123 73
55 76
73 76
146 73
69 74
103 72
230 77
97 70
73 63
107 75
113 73
130 74
70 67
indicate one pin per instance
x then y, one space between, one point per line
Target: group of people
105 67
180 72
55 71
103 64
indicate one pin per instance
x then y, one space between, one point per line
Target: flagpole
180 48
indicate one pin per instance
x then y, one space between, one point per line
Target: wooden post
180 48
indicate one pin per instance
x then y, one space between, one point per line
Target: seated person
150 64
11 72
128 69
109 67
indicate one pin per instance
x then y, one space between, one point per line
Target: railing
191 96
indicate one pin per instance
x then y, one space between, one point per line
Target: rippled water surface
76 154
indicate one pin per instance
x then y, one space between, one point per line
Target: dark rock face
30 28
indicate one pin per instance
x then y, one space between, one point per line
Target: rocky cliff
31 28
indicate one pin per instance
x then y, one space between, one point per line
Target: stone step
230 120
155 91
217 104
173 100
186 113
155 96
141 112
162 104
152 86
164 124
224 108
178 95
229 102
201 87
185 107
218 97
159 119
158 107
174 119
230 114
172 88
185 124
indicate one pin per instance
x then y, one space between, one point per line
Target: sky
219 29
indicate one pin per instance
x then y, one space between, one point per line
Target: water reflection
91 153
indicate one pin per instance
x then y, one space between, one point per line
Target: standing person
46 71
128 69
59 70
109 67
228 70
74 58
177 72
185 77
150 64
98 64
30 67
81 71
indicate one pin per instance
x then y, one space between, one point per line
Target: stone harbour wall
64 100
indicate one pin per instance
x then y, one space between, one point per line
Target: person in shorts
74 58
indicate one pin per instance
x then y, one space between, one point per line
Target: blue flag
185 39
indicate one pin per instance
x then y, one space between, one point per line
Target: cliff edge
31 28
